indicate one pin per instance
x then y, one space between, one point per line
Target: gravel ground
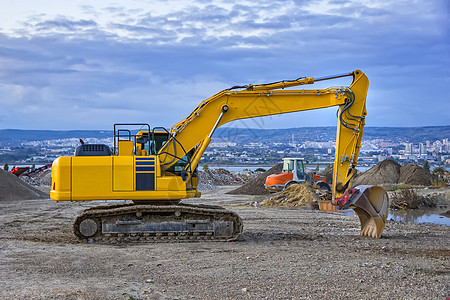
283 253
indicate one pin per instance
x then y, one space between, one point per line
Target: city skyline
266 149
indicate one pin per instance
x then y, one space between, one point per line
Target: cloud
155 64
65 24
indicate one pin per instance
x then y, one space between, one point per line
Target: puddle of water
416 216
420 216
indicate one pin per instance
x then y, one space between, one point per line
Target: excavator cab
143 143
149 142
156 139
296 167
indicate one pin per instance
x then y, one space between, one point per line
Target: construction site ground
283 253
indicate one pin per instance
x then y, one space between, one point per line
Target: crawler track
157 223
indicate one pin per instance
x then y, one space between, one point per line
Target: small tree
426 166
205 167
6 167
317 168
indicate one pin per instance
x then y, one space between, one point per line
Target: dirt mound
42 179
294 196
414 175
12 188
256 185
390 172
45 177
385 172
210 179
221 177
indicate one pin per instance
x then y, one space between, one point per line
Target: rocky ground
283 253
287 249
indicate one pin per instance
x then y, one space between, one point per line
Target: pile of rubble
12 188
296 195
43 179
389 172
256 185
385 172
210 179
414 175
410 199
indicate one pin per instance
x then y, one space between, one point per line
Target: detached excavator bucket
371 204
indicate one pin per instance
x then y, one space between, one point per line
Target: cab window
288 166
300 169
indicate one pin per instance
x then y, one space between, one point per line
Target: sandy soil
282 254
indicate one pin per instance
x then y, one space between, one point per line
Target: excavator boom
159 166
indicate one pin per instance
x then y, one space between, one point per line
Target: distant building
222 145
422 148
408 148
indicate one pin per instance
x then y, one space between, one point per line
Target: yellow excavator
156 168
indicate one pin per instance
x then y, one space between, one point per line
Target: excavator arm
195 132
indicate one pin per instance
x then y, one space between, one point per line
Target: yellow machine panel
61 179
123 173
126 148
89 182
113 178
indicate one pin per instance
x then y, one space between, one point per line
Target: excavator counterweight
157 167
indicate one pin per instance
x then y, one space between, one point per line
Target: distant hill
8 135
245 135
321 134
409 134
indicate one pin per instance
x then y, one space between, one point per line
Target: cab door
300 169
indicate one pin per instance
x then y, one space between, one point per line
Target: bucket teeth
371 205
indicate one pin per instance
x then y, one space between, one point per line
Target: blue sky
78 65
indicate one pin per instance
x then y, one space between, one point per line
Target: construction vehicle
156 167
19 170
33 171
294 173
27 171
